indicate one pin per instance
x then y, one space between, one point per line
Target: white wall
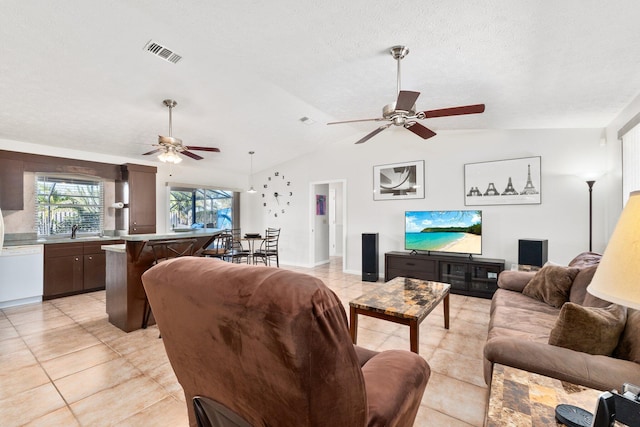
562 217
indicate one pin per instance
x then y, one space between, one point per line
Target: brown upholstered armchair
273 346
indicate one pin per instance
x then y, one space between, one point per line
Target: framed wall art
399 181
503 182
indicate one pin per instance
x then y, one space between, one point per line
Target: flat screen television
443 231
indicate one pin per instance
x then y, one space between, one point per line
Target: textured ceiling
74 73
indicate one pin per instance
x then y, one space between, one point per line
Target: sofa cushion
578 290
551 284
589 329
629 345
585 259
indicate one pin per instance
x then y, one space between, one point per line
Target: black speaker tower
532 252
370 257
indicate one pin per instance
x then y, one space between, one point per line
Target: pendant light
251 190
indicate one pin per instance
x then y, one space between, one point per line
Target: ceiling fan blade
358 120
212 149
455 111
420 130
406 100
151 152
192 155
372 134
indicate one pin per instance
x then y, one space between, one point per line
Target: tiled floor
63 364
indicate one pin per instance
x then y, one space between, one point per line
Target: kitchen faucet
74 230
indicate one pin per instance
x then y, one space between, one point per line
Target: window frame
50 227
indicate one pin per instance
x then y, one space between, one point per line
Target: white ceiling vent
162 52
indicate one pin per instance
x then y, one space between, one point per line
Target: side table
521 398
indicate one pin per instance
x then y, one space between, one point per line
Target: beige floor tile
458 366
29 405
135 341
428 417
31 313
78 360
60 417
57 342
470 346
110 406
149 357
16 360
77 386
17 380
34 326
103 330
167 412
11 345
456 399
165 376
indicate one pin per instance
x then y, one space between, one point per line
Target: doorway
328 221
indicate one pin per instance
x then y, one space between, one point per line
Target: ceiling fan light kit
170 147
403 111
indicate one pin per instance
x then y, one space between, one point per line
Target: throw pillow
551 284
589 329
629 345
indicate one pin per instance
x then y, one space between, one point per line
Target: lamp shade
617 278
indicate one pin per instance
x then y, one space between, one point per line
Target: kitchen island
125 264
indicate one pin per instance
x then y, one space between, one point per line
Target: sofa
529 333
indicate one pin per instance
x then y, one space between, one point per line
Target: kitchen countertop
198 232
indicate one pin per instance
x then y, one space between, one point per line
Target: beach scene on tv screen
444 231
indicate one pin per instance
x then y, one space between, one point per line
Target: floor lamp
617 279
590 184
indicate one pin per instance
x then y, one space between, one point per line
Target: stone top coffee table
401 300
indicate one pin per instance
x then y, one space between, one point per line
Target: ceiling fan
403 111
170 147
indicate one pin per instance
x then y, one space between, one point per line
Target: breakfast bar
125 264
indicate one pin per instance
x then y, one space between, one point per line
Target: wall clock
276 195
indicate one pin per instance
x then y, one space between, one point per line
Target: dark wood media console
476 277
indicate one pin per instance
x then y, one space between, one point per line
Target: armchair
273 347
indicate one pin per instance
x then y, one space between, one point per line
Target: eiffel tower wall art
503 182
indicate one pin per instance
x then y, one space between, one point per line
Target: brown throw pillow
589 329
551 285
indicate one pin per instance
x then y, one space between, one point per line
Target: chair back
174 248
272 236
271 345
220 246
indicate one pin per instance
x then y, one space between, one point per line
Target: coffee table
401 300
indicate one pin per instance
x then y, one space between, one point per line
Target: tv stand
467 275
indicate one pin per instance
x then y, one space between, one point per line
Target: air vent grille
162 52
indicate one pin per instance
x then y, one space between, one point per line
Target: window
630 162
202 208
62 201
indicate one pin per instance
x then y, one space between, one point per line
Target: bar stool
162 251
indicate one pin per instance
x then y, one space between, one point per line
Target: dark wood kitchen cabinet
140 183
72 268
94 264
11 185
63 269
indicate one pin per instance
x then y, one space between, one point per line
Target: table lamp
617 279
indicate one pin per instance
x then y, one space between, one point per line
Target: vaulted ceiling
76 74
